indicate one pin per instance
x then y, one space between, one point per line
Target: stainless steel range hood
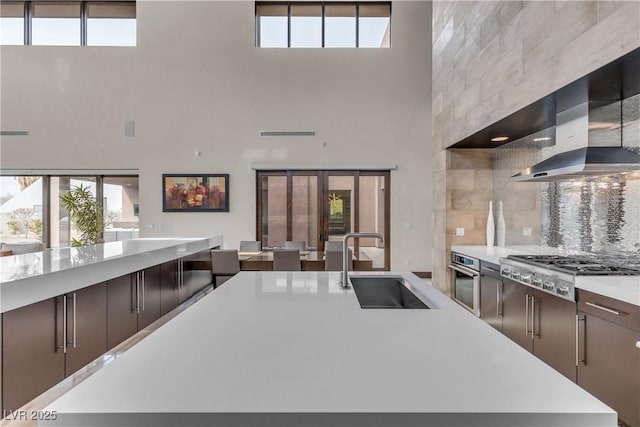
589 137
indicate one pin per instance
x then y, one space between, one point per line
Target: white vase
490 225
501 232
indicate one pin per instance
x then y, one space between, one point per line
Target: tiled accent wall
491 58
599 216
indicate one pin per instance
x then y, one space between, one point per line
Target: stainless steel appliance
556 274
466 281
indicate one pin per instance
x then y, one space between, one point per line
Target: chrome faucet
344 275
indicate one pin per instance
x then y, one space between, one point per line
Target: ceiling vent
287 133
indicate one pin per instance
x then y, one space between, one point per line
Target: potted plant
86 215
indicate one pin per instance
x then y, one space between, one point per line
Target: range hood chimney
589 138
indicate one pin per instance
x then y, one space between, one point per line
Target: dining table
309 260
263 261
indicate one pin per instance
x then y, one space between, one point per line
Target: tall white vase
501 231
490 225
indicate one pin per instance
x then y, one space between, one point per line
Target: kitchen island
295 349
65 307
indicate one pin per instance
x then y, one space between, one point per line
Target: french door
322 206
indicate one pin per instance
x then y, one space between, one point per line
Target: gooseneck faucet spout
344 276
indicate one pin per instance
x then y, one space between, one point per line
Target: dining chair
333 245
250 246
295 245
224 265
333 260
286 260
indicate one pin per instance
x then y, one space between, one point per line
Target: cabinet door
516 318
150 296
611 366
169 292
122 318
32 353
491 301
554 331
86 326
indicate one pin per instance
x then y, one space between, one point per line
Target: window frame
84 16
288 4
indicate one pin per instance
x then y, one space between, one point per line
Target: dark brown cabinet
87 321
609 353
491 294
32 351
169 286
515 320
543 324
44 342
133 303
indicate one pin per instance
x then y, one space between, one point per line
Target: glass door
320 206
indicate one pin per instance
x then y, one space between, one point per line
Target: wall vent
14 133
287 133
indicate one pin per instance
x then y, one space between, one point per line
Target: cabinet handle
584 359
74 320
138 292
178 274
533 318
64 324
498 298
607 309
526 316
59 323
143 284
490 269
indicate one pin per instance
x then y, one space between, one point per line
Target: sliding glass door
320 206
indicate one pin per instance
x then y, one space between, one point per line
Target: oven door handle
464 270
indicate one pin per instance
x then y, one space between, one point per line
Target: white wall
195 81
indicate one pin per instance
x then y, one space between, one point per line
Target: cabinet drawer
490 269
618 312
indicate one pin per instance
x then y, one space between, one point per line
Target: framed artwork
195 192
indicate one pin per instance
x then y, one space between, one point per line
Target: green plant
86 215
14 226
36 226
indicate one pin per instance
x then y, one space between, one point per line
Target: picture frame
195 192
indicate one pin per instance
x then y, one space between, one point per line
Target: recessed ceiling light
499 138
542 138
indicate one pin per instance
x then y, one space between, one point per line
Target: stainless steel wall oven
466 281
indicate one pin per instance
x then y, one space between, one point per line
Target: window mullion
28 13
322 41
83 23
288 24
357 24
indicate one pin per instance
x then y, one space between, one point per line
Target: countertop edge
49 285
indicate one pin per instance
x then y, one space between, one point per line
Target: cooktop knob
549 286
563 290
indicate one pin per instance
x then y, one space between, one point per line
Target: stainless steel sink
384 292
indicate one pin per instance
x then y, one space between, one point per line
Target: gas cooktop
557 274
584 265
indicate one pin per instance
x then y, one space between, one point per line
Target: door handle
526 315
64 324
533 318
143 286
74 321
60 323
584 340
138 292
603 308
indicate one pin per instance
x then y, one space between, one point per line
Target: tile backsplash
599 216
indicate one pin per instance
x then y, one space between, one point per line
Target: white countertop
33 277
285 347
622 288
